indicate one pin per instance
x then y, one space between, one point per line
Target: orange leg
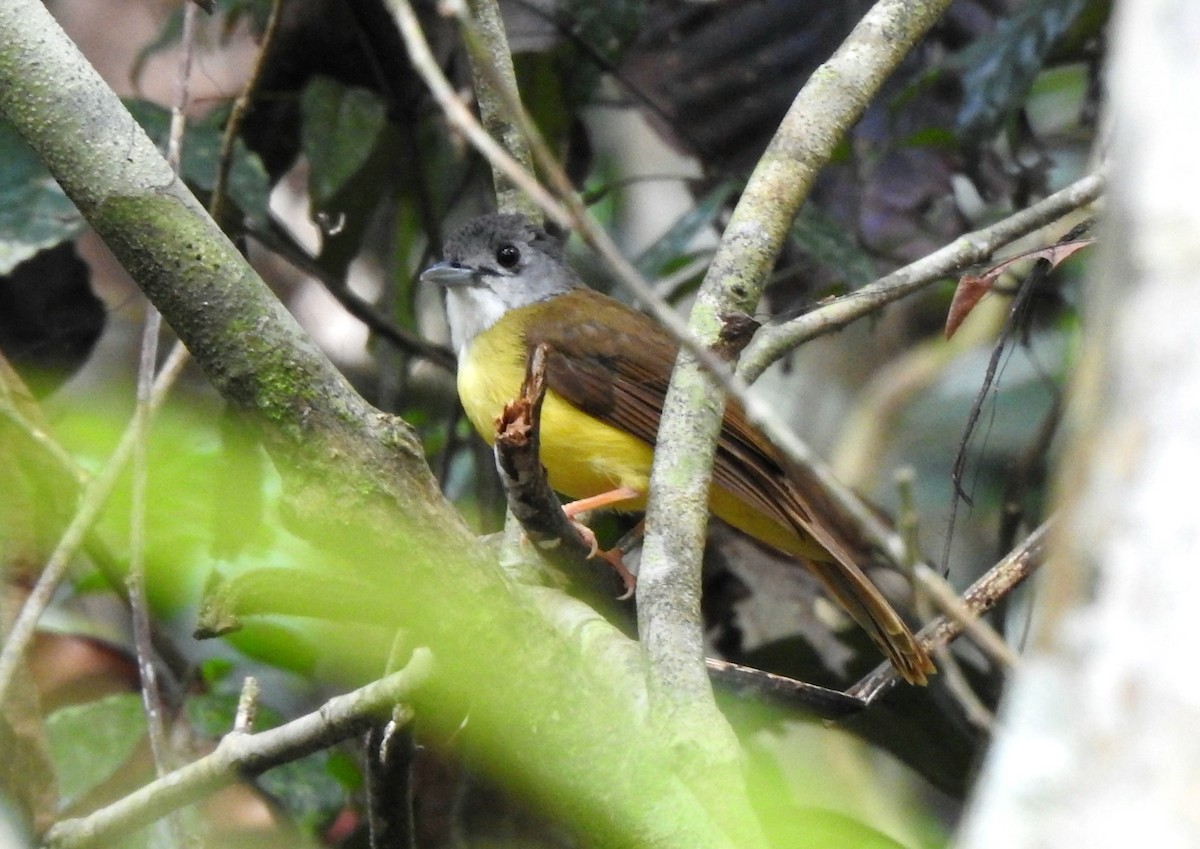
604 499
612 557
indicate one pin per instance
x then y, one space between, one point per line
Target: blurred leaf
249 187
89 742
34 212
1001 67
1058 99
214 670
309 791
817 828
189 468
654 260
341 127
832 246
344 770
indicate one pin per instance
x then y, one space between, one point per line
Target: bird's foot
612 557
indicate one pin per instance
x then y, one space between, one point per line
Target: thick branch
668 597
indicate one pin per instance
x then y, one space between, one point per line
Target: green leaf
34 212
89 742
249 186
341 127
1001 67
655 259
831 245
310 792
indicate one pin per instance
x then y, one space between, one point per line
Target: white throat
470 310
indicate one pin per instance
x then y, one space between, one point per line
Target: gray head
496 263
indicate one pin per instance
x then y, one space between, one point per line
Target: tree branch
355 480
242 754
669 581
775 340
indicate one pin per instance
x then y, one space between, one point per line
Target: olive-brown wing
614 363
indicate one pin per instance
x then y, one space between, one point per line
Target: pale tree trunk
1100 737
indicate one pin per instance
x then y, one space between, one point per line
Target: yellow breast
582 455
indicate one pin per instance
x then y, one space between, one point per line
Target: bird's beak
448 274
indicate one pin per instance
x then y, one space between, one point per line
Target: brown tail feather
871 610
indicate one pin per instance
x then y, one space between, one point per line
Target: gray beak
448 274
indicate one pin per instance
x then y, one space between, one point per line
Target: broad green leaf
249 186
831 245
89 742
655 259
341 127
1001 67
34 212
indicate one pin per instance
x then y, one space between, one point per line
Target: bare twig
829 103
460 116
237 115
981 597
135 579
247 708
567 211
92 501
773 341
495 84
390 750
531 500
768 687
243 754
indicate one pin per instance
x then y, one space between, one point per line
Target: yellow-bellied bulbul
508 290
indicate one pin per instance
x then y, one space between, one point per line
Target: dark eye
508 255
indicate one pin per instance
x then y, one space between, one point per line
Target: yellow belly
582 456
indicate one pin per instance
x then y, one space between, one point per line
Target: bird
509 290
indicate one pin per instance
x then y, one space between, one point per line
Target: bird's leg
612 556
604 499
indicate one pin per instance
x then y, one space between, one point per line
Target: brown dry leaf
972 288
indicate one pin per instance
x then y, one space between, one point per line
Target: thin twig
241 754
237 114
135 578
91 502
278 240
460 116
569 213
247 708
982 596
979 598
773 341
927 595
531 501
390 751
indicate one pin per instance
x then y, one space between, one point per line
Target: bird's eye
508 255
